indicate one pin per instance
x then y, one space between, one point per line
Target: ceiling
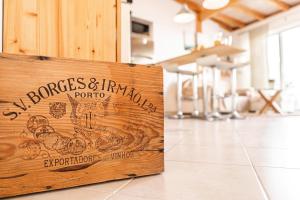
240 13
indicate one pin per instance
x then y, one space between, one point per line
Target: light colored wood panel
219 50
20 27
88 29
248 11
119 30
198 22
222 24
86 123
48 27
280 4
233 22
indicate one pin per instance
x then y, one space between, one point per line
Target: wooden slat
48 27
220 50
222 24
198 22
119 28
230 20
77 122
250 12
89 29
21 27
280 4
85 29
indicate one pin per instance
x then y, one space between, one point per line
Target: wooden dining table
219 50
172 65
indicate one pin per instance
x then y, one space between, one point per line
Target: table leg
179 114
195 96
234 113
215 115
204 115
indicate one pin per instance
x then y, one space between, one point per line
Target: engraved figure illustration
31 149
36 121
51 140
90 133
86 114
57 109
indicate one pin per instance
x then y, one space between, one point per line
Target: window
273 54
284 61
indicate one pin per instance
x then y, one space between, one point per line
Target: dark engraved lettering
131 93
103 84
120 88
111 86
93 85
61 87
145 101
82 85
33 97
52 88
22 106
11 115
77 94
44 92
71 84
46 163
137 97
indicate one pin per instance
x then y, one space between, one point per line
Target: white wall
168 36
286 22
243 74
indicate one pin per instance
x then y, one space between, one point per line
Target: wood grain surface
81 29
65 122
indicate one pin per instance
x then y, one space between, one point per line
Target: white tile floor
257 158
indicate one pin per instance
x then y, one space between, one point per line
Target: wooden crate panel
65 123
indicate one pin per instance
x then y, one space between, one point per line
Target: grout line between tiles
258 179
173 146
118 189
276 167
209 163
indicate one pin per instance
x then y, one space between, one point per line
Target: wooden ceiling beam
230 20
280 4
222 24
250 12
210 13
192 5
198 22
